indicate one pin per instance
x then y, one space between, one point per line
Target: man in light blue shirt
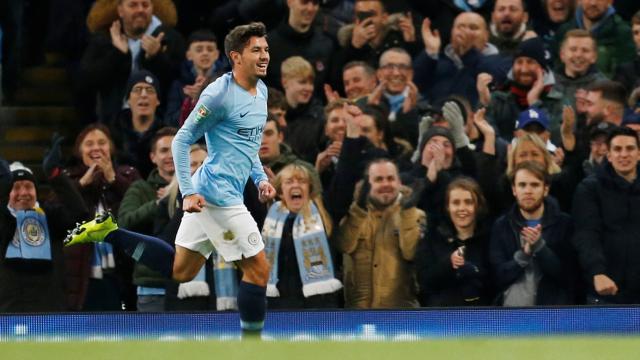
231 114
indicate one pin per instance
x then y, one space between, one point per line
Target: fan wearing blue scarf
296 233
31 234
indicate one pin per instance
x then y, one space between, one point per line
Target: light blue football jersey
231 120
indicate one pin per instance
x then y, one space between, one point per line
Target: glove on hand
452 113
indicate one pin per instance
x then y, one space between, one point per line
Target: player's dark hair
239 37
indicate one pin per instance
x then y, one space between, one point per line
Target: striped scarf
311 247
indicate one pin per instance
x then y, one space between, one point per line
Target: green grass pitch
562 348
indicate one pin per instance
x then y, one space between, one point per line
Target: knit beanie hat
532 48
142 76
21 172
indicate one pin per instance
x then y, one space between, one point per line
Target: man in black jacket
531 253
136 40
606 209
297 35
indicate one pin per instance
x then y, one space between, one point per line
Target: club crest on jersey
202 113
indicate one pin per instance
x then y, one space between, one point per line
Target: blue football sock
252 305
150 251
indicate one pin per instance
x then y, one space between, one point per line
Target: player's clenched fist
267 191
193 203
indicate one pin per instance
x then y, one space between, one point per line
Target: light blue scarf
31 241
312 251
226 284
102 259
395 103
226 280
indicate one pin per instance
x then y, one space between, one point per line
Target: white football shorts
230 230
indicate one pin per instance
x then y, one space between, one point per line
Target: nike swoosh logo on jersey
243 115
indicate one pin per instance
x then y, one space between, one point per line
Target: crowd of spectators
425 153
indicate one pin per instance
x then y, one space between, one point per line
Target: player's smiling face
255 57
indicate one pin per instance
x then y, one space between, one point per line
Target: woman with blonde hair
530 147
296 234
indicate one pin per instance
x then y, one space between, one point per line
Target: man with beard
136 40
611 32
454 70
297 35
509 25
530 84
605 101
606 209
530 252
378 238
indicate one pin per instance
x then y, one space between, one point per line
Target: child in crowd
203 64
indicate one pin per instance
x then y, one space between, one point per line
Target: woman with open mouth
296 234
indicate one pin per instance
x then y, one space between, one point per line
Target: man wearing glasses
136 125
397 93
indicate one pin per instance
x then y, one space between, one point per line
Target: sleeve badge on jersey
202 113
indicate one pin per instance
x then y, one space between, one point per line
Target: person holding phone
375 30
452 260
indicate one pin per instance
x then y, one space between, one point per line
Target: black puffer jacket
606 209
105 69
